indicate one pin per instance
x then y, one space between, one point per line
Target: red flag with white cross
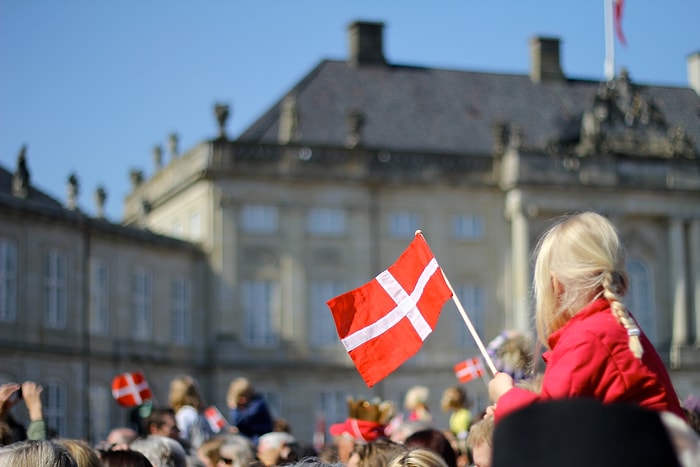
469 369
385 322
131 389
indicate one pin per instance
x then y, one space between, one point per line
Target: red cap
361 430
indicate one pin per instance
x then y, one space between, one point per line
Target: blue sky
91 86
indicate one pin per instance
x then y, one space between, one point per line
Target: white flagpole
609 41
467 321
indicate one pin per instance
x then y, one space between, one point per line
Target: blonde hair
419 457
481 432
584 256
184 390
239 387
84 454
416 397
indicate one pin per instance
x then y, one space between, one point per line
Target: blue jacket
253 420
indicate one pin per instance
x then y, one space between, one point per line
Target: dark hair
124 458
435 441
157 417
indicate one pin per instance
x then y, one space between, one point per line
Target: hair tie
633 332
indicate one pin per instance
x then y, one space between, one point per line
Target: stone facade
309 203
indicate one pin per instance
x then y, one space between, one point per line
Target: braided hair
580 259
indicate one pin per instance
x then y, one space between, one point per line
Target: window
100 399
8 281
259 219
55 301
99 296
468 227
195 226
181 307
323 331
640 297
259 300
326 221
333 406
403 224
142 302
55 409
472 297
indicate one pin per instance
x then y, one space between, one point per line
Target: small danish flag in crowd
384 322
131 389
216 421
469 369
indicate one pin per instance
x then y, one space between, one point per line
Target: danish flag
131 389
384 322
469 369
216 421
618 6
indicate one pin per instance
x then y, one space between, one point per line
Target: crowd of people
604 397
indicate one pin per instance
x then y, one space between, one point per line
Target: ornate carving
222 112
624 120
20 180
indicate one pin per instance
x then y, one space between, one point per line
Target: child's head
454 398
579 259
417 396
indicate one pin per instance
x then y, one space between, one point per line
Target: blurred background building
229 250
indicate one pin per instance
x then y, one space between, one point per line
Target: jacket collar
596 306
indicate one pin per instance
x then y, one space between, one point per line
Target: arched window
640 296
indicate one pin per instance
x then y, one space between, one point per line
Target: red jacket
590 357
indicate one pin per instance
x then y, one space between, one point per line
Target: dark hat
582 433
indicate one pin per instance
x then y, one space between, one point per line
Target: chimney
366 43
544 59
694 71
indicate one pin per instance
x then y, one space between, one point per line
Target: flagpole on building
467 321
609 41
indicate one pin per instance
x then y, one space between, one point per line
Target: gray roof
447 111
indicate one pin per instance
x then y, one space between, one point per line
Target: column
677 288
694 255
520 271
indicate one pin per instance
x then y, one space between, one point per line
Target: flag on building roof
216 421
384 322
618 6
469 369
131 389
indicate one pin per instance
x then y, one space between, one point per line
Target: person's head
82 452
121 437
6 434
375 454
436 441
184 390
161 451
453 398
36 452
480 442
236 451
407 428
417 396
419 457
579 259
162 422
208 451
274 447
240 391
124 458
583 432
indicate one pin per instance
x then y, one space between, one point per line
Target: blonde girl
594 346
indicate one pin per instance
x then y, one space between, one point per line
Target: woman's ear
556 285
